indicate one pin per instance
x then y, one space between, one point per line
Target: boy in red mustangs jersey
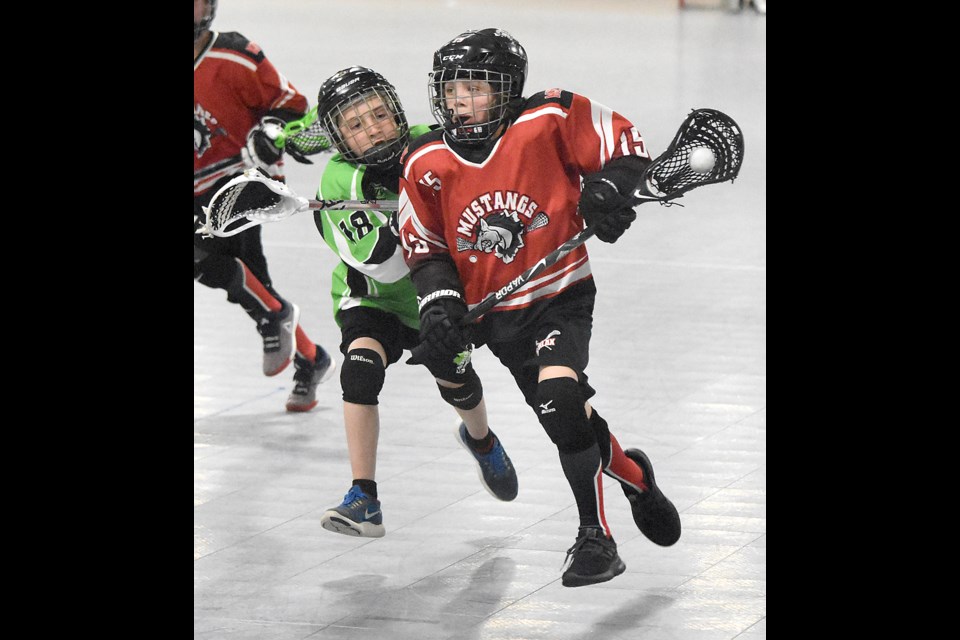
483 199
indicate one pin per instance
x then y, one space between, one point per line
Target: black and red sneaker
655 515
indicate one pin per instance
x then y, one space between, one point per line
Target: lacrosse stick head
360 110
246 201
304 137
670 175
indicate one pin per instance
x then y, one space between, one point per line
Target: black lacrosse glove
604 208
440 332
260 150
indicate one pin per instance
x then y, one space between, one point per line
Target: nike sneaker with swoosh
358 515
494 467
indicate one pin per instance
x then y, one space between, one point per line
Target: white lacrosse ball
702 160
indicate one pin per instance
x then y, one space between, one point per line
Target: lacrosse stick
668 177
253 198
303 137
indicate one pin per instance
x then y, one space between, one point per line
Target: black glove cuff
609 182
601 195
437 295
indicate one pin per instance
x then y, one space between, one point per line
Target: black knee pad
217 272
560 410
361 376
466 397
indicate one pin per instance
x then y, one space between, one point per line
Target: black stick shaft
546 262
358 205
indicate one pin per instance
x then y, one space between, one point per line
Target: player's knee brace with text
361 376
466 397
559 407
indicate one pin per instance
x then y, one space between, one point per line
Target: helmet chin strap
382 153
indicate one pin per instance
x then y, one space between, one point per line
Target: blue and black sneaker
359 515
494 467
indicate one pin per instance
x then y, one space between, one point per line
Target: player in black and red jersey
485 198
241 102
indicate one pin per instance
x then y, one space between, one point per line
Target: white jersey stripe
533 284
595 116
288 93
549 111
202 184
568 278
603 125
607 126
232 57
407 212
390 270
356 191
434 146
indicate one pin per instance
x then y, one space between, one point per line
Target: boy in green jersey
375 303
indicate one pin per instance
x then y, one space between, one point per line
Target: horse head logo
501 234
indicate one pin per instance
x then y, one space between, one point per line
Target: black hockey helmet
210 10
488 55
349 87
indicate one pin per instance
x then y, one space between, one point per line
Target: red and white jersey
497 216
234 86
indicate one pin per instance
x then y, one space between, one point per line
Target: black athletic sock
369 487
582 470
483 445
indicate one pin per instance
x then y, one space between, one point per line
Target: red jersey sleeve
234 86
595 134
419 216
265 89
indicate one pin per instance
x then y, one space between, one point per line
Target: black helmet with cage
209 12
346 90
488 55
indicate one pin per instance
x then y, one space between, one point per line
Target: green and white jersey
371 272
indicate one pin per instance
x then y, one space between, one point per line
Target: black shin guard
582 470
602 432
560 409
